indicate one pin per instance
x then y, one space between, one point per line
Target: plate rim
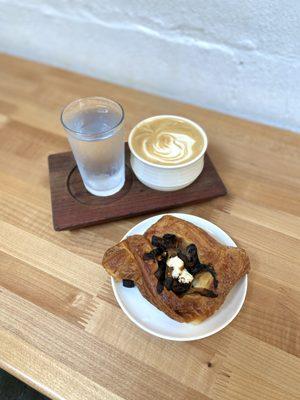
167 337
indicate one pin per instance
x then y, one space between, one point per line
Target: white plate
153 321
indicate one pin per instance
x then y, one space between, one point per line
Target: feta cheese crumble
185 277
179 271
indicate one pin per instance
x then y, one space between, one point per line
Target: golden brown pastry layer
125 261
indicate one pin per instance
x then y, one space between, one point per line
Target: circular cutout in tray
79 192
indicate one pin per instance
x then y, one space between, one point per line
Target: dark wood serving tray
74 207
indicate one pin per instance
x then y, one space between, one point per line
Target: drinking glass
95 132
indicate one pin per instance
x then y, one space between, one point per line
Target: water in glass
99 149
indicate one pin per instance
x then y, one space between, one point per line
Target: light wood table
61 330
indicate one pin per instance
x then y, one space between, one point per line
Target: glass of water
95 133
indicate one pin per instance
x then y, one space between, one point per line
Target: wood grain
61 329
74 207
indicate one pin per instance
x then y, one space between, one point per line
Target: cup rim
94 134
199 129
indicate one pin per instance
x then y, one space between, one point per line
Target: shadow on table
13 389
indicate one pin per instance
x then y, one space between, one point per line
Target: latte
167 140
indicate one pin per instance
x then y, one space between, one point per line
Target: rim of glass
90 135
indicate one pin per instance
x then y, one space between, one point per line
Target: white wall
241 57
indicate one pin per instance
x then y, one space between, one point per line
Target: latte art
168 147
167 141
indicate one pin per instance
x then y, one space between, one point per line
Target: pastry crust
125 261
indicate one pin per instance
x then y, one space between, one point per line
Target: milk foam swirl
169 148
167 141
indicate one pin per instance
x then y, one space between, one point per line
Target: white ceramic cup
167 177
